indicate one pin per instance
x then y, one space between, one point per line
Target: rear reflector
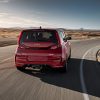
55 47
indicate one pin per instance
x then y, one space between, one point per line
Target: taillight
21 47
20 57
19 38
55 47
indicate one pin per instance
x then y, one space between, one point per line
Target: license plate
37 58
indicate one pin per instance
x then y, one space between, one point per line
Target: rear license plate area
37 58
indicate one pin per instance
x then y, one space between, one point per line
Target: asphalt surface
82 82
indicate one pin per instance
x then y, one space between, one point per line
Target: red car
43 47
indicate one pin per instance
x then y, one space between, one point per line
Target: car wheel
20 68
98 56
69 55
64 68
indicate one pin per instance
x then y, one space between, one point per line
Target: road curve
50 84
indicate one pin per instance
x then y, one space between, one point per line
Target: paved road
82 82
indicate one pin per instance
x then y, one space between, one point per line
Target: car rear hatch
39 45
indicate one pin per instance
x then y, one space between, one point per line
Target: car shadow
71 79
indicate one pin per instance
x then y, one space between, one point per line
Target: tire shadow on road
71 79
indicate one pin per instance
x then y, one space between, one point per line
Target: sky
71 14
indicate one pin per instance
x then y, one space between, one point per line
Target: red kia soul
43 47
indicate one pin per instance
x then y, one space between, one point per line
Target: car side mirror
67 38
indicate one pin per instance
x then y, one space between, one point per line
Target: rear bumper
52 63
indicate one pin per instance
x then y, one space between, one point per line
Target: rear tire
69 55
64 68
20 68
98 55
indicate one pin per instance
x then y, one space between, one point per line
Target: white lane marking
85 94
5 60
83 40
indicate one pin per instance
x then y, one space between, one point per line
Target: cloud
7 20
3 14
4 1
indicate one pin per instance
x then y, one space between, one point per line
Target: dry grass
83 34
9 33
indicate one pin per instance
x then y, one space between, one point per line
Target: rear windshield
38 36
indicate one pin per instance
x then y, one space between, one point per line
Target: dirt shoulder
9 36
7 42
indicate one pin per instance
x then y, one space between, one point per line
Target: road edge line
5 60
85 94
